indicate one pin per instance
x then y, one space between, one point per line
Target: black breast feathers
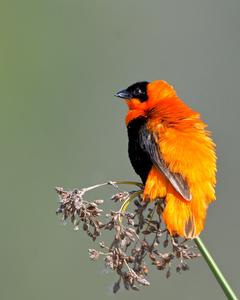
139 158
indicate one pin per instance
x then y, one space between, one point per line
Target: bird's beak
123 94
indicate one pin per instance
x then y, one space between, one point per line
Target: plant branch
215 270
113 183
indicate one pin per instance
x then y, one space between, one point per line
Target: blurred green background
61 61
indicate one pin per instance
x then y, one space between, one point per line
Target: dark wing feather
148 144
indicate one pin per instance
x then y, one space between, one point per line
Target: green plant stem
215 270
128 201
113 183
129 182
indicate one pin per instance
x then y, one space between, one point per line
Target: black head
137 90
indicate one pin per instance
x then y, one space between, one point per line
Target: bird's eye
138 91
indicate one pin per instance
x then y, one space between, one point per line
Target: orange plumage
183 155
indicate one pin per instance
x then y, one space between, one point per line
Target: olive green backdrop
61 61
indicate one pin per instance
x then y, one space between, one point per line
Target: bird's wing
149 144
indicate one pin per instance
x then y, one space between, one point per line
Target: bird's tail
185 218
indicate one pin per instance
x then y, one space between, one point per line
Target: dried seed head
93 254
116 287
165 243
178 269
99 201
142 280
119 197
138 236
168 274
185 267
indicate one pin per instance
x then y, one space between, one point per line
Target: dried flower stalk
139 239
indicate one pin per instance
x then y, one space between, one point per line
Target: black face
137 90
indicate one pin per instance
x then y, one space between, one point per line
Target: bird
172 151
